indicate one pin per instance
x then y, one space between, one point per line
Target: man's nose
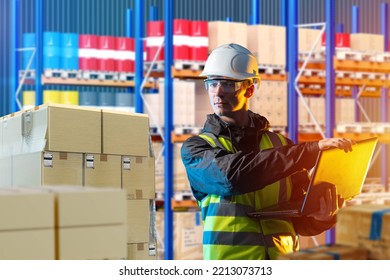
218 90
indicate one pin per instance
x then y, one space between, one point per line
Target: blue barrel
51 50
124 99
69 51
106 98
28 42
88 98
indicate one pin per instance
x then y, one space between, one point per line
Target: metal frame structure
385 94
289 18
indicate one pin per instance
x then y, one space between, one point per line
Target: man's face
227 96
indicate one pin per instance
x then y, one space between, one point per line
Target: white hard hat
232 61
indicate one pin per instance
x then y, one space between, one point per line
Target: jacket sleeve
306 226
216 171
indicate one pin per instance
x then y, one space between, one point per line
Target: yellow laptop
347 171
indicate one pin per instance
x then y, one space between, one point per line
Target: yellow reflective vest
229 233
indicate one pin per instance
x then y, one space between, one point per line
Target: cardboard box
125 133
64 128
101 170
27 225
180 180
159 166
190 109
307 38
79 207
307 242
138 177
6 171
11 131
153 107
365 226
345 110
367 42
332 252
47 168
268 44
91 223
187 235
92 243
22 209
141 251
140 226
270 100
224 32
303 114
317 106
32 244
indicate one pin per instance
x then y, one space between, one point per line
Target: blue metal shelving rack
385 94
289 18
39 21
168 107
330 97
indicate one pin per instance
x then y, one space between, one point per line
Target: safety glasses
228 86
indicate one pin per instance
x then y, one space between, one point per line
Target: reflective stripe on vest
226 221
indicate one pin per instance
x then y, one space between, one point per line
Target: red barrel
88 45
88 63
343 40
155 28
106 53
125 54
181 35
88 41
199 40
155 37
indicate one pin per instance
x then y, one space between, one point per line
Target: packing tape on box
376 224
336 256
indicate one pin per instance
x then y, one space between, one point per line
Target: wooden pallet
188 65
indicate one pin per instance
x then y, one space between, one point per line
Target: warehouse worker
236 165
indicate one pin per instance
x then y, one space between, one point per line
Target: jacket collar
215 125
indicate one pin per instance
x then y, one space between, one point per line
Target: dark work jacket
217 171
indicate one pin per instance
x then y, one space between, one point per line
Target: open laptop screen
347 171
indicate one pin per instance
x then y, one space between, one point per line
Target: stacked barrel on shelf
103 99
72 51
190 40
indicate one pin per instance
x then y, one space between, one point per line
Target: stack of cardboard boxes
328 252
53 145
365 226
63 223
187 235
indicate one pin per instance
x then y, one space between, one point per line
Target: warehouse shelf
168 74
365 81
351 65
363 66
194 74
340 92
184 204
82 78
92 82
382 137
185 73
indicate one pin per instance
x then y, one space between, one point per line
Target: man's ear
249 91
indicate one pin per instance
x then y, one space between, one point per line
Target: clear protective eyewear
228 86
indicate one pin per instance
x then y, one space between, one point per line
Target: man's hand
330 204
341 143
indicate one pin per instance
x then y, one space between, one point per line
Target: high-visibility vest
229 233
